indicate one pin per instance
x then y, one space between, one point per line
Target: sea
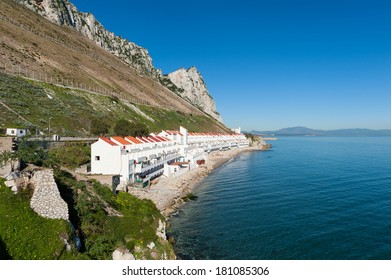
308 198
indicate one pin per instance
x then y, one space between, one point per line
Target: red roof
133 140
173 132
166 139
108 141
154 138
147 140
120 140
160 138
142 140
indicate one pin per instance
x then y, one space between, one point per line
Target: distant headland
304 131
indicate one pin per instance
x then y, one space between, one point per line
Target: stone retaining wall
46 200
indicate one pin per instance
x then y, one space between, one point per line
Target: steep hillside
64 13
38 48
72 112
33 47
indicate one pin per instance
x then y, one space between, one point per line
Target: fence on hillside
8 67
59 80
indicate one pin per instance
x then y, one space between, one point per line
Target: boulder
123 254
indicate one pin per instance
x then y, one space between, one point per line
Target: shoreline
169 194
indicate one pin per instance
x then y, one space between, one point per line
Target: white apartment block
138 160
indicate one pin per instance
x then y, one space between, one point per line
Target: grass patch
26 236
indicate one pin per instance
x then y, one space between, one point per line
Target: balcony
148 168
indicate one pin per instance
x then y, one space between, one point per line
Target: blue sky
271 64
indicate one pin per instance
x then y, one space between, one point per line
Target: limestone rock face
192 87
64 13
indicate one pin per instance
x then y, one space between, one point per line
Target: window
97 158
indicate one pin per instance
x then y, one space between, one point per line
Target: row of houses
138 160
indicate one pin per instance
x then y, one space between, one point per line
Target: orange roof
133 140
108 141
120 140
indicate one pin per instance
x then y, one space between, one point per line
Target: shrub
122 128
71 156
99 127
139 129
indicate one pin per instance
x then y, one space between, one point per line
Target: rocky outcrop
64 13
123 255
258 142
46 200
161 230
190 85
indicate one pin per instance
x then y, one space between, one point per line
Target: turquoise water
307 198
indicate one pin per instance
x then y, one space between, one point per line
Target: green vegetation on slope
71 156
103 221
72 112
26 236
90 205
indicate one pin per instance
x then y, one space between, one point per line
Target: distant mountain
304 131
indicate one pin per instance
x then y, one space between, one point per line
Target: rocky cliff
190 85
64 13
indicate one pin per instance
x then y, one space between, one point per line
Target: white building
17 132
138 160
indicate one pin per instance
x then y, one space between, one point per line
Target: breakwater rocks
46 200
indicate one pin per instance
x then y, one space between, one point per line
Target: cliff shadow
67 194
4 255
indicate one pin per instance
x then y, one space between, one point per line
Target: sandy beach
168 193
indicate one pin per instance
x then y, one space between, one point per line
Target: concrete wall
5 143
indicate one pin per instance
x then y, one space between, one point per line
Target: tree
122 128
139 129
99 127
31 152
7 157
126 128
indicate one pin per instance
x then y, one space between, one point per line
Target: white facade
141 159
136 160
237 130
105 157
17 132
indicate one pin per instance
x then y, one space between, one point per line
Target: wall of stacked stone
46 200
